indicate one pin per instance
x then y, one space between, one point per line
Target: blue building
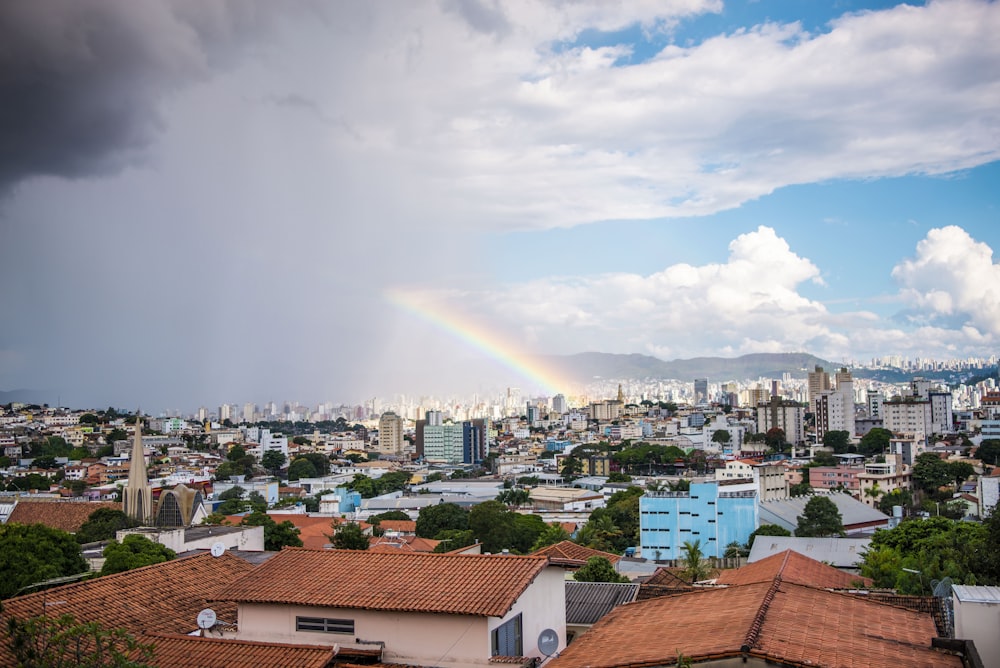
716 514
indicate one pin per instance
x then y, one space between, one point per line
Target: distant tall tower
819 382
390 434
621 395
137 497
700 390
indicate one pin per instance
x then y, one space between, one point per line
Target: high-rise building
700 390
249 412
390 434
819 382
559 404
788 416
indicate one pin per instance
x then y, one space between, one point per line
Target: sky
328 201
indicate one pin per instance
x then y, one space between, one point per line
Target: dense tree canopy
875 442
301 468
837 439
134 551
276 536
598 569
767 530
552 534
931 549
63 642
930 472
820 518
494 524
432 520
349 536
32 553
988 452
103 524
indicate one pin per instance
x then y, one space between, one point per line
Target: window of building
324 625
506 638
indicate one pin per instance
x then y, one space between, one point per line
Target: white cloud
753 302
519 133
953 278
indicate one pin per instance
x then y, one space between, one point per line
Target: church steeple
621 395
137 497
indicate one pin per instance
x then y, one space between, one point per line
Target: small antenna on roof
548 642
218 549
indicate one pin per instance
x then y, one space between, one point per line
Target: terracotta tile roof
792 567
568 550
160 598
402 526
64 515
313 531
486 585
402 544
662 582
183 651
775 621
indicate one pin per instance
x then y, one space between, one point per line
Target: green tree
235 492
276 535
897 497
394 481
453 539
349 536
820 518
931 473
767 530
363 485
134 551
527 529
103 524
115 434
875 442
722 437
320 462
432 520
494 525
837 439
618 476
598 569
514 497
63 642
960 472
32 553
236 453
600 533
272 461
988 452
930 549
89 418
695 567
301 468
257 502
800 489
552 534
775 439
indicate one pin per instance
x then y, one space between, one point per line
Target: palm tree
874 492
695 566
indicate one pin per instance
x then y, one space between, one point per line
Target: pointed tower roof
137 497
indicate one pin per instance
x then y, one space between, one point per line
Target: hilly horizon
585 367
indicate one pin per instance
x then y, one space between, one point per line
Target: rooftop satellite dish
206 618
218 549
548 642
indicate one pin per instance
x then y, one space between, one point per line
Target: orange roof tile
164 597
792 567
183 651
403 526
486 585
569 550
64 515
775 621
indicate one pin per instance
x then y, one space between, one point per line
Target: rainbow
479 338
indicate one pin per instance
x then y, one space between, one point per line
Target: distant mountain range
38 397
585 367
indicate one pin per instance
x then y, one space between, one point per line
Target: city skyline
351 200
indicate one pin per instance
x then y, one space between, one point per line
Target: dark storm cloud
81 80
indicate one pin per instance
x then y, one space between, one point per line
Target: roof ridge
753 633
